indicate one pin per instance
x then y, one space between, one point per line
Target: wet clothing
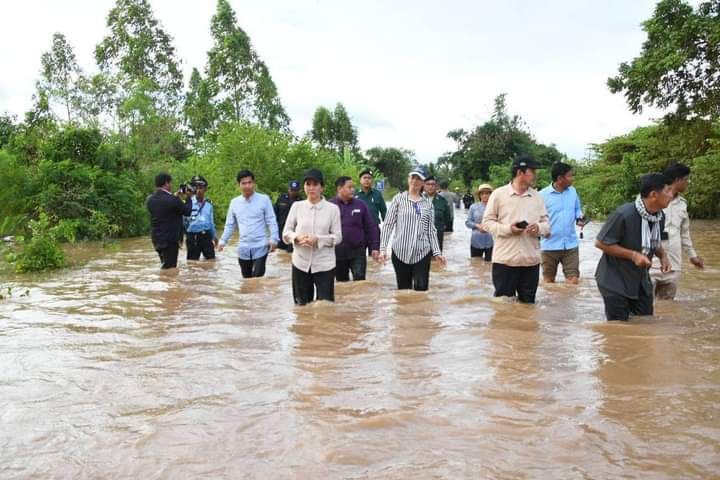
166 220
310 286
200 243
676 238
375 202
253 217
282 208
356 264
254 267
414 276
485 253
618 275
413 223
453 200
478 239
516 281
570 260
200 230
626 288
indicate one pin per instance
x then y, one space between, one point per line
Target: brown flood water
114 370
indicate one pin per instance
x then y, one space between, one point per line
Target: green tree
199 111
241 84
139 50
61 76
394 163
334 130
679 65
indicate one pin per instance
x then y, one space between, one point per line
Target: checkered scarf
650 237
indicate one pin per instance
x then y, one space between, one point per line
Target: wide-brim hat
485 187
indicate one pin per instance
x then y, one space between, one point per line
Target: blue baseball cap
294 185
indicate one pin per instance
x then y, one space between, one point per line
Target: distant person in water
201 236
676 236
481 241
629 240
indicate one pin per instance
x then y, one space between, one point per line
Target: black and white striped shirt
414 227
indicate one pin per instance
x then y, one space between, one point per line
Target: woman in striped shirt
415 242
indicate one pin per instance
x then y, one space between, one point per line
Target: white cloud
407 71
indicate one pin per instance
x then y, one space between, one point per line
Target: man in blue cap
282 208
200 224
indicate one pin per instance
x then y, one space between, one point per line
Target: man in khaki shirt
676 236
516 217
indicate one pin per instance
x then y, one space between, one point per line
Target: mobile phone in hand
522 225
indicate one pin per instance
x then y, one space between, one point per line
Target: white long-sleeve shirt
320 219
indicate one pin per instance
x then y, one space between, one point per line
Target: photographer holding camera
166 219
201 236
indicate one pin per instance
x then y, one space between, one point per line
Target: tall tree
679 65
199 111
139 50
61 76
242 86
394 163
334 130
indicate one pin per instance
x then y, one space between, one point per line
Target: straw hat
485 188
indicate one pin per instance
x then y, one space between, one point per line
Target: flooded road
116 370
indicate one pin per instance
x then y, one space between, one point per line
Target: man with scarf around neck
629 240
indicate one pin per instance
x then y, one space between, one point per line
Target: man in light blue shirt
201 236
563 207
253 215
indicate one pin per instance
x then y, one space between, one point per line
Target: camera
187 188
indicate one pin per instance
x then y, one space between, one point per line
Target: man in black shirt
282 208
628 240
166 219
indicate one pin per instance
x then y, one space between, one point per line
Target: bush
41 251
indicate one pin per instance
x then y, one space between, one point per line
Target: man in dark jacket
166 219
443 210
282 208
359 231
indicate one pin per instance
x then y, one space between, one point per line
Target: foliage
612 178
61 76
334 130
200 114
394 163
41 251
679 65
495 143
138 50
241 85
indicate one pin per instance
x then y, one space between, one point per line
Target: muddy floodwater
112 369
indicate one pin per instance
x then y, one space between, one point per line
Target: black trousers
486 253
168 255
618 307
197 243
441 237
356 265
253 268
309 286
412 276
521 281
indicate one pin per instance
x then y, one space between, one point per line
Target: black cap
526 161
198 180
367 171
314 174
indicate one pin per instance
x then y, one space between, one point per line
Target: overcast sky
407 71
